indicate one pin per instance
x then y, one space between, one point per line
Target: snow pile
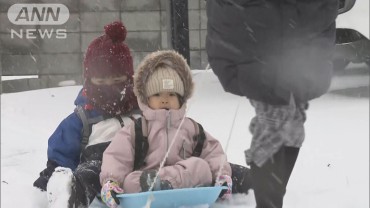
59 187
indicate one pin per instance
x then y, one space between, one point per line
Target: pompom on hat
108 55
161 71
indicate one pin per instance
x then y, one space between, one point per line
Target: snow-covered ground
332 170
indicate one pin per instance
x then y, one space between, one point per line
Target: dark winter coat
267 50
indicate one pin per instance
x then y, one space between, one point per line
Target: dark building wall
56 60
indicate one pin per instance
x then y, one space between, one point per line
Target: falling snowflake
123 93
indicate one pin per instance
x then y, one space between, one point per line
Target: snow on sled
172 198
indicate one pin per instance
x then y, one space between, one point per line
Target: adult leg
278 133
270 180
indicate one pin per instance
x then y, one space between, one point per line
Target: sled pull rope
175 137
168 151
228 139
150 199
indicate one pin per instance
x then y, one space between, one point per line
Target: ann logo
38 14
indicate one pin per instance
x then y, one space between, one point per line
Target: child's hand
108 193
225 180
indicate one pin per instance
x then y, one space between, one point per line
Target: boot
242 179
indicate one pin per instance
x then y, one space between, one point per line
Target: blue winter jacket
64 145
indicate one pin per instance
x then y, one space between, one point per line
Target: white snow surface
332 169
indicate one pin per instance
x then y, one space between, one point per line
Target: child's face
108 80
164 100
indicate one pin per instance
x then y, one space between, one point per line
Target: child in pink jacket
163 83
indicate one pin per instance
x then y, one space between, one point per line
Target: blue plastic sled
171 198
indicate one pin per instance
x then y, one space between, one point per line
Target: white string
151 197
227 143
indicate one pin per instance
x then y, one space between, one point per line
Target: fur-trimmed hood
165 57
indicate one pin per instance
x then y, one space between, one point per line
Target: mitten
147 179
225 180
45 175
108 193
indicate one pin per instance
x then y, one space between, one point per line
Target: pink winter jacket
180 169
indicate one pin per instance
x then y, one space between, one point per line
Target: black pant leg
291 154
87 183
270 180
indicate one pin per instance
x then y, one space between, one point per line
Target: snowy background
332 169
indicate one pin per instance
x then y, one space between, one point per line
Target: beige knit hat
164 80
160 71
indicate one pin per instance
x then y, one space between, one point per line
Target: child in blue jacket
102 107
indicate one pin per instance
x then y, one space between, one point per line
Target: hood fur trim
165 57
